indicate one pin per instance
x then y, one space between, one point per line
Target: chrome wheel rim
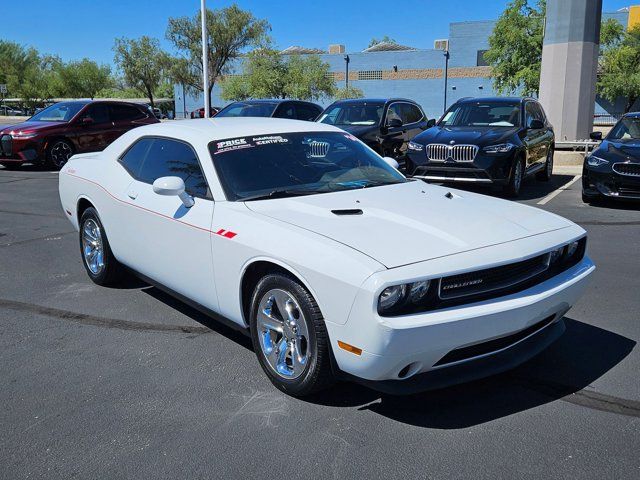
60 153
518 176
283 334
92 247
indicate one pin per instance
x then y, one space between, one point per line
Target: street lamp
346 78
446 77
205 59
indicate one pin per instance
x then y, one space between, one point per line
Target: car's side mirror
394 123
536 124
431 123
87 121
596 136
391 162
173 186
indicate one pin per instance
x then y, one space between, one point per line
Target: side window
411 113
286 110
529 113
99 113
394 112
134 157
539 112
125 112
307 112
168 157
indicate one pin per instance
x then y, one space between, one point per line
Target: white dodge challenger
332 261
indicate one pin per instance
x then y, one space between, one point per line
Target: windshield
353 114
297 163
60 112
482 114
628 128
248 109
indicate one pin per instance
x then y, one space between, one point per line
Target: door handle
132 194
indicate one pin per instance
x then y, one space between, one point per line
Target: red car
200 112
52 135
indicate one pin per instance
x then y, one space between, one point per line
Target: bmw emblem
452 142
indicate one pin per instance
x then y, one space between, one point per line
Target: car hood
410 222
481 136
619 151
30 126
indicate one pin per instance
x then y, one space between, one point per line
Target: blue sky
74 29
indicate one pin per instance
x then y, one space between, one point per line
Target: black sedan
386 125
293 109
613 169
493 141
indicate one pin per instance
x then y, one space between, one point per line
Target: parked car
301 251
158 113
55 133
493 141
200 112
10 111
613 169
386 125
293 109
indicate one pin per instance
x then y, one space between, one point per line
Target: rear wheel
512 189
58 153
547 172
289 336
99 262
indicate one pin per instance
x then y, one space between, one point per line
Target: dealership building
391 70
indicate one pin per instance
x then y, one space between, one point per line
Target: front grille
458 153
319 149
490 279
6 145
629 191
630 169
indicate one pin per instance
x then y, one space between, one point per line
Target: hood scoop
347 211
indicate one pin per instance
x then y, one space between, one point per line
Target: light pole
205 59
446 77
346 78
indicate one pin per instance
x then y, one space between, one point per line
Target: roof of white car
217 129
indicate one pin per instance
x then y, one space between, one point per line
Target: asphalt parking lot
129 383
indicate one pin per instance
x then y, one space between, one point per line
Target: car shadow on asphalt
564 371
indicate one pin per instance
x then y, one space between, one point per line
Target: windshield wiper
280 193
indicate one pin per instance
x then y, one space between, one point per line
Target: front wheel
289 336
99 262
59 153
512 189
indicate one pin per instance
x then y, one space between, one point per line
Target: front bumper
466 338
16 150
604 182
485 168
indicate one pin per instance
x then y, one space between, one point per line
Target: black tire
512 188
11 165
545 174
58 153
594 200
112 271
317 373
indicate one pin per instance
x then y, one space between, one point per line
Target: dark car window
286 110
539 112
248 109
532 112
153 158
126 112
482 114
307 112
411 113
628 128
365 113
99 113
60 112
394 112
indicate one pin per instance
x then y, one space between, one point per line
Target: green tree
143 63
231 31
15 62
40 81
84 78
269 74
386 38
619 69
515 47
348 92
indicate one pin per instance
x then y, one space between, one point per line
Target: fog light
391 296
418 290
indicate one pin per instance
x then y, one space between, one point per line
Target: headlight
416 147
502 148
572 248
594 161
23 135
556 255
418 290
391 296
